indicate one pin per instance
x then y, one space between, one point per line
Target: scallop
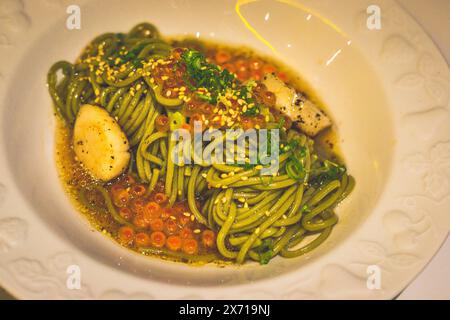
99 143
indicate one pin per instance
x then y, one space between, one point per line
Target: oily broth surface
74 177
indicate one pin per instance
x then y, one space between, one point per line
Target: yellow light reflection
240 3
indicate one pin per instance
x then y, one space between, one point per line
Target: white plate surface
387 90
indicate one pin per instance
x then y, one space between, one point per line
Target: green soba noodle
279 213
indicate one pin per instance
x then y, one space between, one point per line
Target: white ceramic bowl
387 91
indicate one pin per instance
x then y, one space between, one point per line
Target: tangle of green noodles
256 217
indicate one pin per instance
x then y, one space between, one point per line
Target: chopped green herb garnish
281 123
305 209
295 166
207 75
265 251
137 63
251 112
327 171
133 53
204 97
291 145
245 166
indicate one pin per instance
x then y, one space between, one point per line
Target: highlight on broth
124 97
